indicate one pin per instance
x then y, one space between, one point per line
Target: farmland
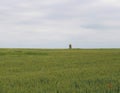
59 71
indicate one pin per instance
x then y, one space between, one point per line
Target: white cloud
111 2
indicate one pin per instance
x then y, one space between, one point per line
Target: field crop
59 71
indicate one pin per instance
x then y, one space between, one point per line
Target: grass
59 71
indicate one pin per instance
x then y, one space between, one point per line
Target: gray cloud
56 23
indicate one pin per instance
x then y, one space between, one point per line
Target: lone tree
70 46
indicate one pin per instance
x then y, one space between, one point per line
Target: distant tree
70 46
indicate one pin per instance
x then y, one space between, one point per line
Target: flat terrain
59 71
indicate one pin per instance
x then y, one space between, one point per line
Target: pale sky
57 23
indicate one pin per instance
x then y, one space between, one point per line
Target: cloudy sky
57 23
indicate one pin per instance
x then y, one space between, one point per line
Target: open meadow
59 70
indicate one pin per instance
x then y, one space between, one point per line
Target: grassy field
59 71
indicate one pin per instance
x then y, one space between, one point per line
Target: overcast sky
57 23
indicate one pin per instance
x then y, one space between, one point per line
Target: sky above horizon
58 23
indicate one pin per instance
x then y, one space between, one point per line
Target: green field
59 71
